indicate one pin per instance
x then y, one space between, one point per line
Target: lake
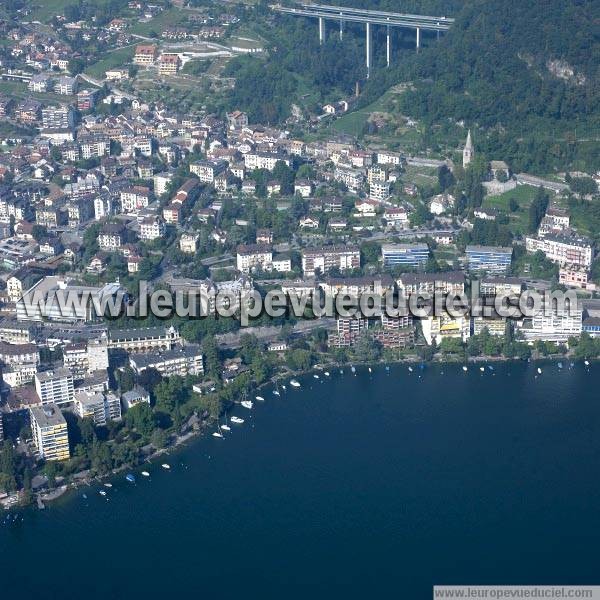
379 484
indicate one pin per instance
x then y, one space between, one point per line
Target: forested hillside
528 70
524 75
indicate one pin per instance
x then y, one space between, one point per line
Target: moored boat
295 383
237 420
247 404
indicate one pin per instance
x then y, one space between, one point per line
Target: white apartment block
207 170
54 387
379 190
134 199
151 228
553 324
97 406
253 256
563 249
263 160
322 259
49 432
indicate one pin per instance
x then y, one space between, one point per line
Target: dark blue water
378 485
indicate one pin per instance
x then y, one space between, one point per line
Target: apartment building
49 432
152 228
58 117
254 256
110 237
179 361
145 55
491 259
264 160
207 170
54 386
344 258
413 255
97 406
450 282
169 64
563 248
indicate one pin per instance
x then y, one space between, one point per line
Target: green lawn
171 17
46 10
19 89
111 60
524 195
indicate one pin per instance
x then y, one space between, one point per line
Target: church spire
468 151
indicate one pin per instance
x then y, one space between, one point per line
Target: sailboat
217 434
260 398
237 420
370 370
465 368
410 369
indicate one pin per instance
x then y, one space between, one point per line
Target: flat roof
47 416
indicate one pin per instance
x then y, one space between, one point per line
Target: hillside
528 74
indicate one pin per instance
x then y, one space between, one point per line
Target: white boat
237 420
482 369
165 466
586 363
247 404
465 368
326 373
276 392
145 474
370 371
316 376
225 428
260 398
410 369
294 383
283 387
539 371
341 372
353 369
102 493
108 485
217 434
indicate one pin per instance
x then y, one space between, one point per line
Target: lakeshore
206 425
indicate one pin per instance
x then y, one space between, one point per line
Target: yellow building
49 431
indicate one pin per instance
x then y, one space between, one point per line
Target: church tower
468 151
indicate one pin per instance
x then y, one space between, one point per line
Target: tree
537 209
445 178
367 349
141 419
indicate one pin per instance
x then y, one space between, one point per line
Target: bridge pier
418 37
389 46
321 30
369 49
